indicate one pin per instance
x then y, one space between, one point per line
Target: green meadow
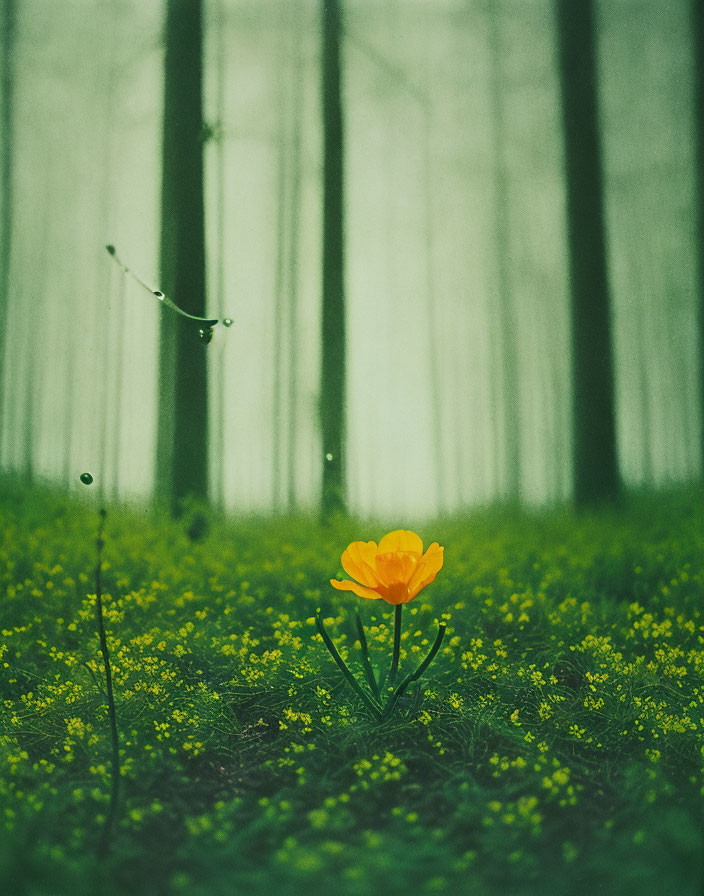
553 746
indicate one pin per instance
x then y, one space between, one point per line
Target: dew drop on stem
86 478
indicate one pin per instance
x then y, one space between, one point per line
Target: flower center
396 567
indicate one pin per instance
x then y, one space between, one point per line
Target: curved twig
205 322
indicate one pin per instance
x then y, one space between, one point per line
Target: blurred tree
9 16
217 382
332 385
431 302
595 461
182 468
289 112
280 271
698 27
507 350
105 83
294 231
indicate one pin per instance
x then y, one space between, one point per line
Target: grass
555 746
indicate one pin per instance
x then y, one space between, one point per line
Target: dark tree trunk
332 386
217 473
698 23
595 462
7 89
182 465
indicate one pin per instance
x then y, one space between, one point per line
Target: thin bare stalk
105 840
366 662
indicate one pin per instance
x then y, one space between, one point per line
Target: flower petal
358 562
401 540
429 566
359 590
396 567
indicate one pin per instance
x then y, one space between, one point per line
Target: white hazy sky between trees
454 186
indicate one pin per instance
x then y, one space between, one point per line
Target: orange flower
396 570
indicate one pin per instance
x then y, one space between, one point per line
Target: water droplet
86 478
228 322
328 457
158 294
111 249
206 334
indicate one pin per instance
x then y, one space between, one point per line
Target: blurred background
411 166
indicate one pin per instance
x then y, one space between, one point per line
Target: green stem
417 699
115 787
409 679
352 681
397 644
366 662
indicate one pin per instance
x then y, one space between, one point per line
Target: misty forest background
275 271
491 211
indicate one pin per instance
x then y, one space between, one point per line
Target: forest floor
555 747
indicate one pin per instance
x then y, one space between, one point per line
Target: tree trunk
218 400
698 70
595 462
332 386
182 464
118 378
281 268
506 313
9 19
294 238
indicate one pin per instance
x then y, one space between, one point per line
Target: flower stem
368 670
409 679
115 787
352 681
397 643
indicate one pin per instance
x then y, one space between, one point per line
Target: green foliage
557 747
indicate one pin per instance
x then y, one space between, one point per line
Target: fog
456 266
